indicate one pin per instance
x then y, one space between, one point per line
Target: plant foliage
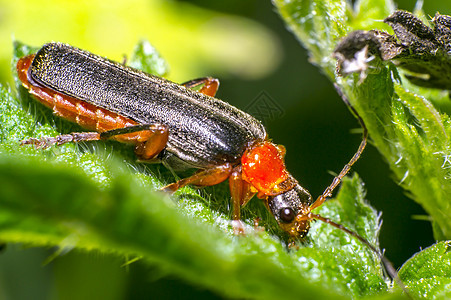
409 132
95 197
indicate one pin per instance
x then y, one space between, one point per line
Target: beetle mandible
176 125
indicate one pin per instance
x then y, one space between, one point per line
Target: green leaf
350 209
411 134
51 204
96 197
428 273
146 58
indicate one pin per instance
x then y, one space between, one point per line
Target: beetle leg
150 139
204 177
46 142
240 190
150 128
210 87
153 145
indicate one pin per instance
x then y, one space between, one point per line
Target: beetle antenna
336 181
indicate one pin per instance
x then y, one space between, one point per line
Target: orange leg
241 192
149 139
210 87
205 177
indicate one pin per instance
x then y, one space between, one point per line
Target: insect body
173 124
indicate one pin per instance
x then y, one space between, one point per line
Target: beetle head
289 207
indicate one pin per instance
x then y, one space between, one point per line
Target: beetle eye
286 215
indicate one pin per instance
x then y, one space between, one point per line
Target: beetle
176 125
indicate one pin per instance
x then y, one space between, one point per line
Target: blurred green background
244 43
